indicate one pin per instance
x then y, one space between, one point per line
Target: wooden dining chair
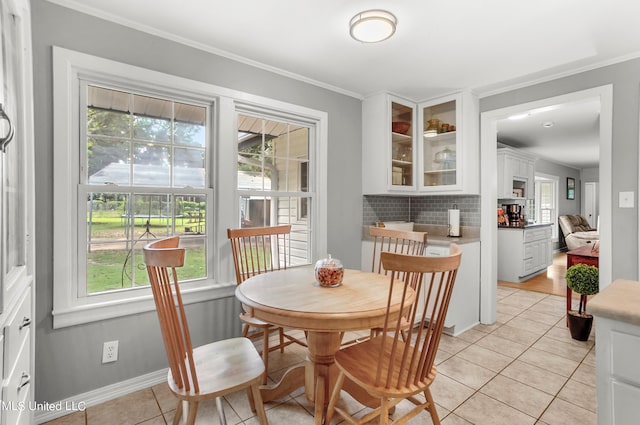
258 250
206 372
399 242
388 367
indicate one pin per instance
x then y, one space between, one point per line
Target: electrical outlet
110 352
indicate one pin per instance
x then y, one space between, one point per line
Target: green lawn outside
106 260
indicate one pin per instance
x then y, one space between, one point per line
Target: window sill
96 309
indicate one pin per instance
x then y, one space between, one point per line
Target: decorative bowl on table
329 272
400 127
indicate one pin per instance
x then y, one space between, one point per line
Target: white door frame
489 190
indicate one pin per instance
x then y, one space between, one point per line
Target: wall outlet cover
110 352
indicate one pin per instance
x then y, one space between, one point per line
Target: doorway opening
488 232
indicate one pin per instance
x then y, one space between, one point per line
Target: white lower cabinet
617 372
523 252
17 392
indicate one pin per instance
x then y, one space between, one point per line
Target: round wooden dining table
292 299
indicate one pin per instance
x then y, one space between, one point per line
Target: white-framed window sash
69 307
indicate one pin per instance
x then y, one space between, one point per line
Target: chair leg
178 415
259 405
265 355
220 408
192 412
432 407
384 411
281 333
335 395
252 403
245 330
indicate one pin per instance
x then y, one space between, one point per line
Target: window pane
189 126
151 165
108 161
108 112
108 241
152 118
120 225
188 167
195 264
190 217
270 154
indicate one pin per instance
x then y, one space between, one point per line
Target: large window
140 155
144 179
273 179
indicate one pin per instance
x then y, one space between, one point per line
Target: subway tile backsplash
421 209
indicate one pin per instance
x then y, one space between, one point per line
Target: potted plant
583 279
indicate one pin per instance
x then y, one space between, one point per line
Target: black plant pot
579 325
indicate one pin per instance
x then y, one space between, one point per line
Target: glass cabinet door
439 144
402 152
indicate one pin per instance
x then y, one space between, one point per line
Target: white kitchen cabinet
523 252
17 298
516 175
409 162
449 145
388 156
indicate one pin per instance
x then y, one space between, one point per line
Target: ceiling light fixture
372 26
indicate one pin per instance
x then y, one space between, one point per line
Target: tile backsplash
421 209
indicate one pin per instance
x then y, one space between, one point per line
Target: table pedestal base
318 376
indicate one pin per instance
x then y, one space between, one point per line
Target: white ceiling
439 47
571 135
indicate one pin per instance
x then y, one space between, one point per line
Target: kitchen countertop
526 226
438 233
618 301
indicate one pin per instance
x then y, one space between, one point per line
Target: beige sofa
577 231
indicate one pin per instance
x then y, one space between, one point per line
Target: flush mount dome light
372 26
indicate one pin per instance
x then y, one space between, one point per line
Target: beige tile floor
524 369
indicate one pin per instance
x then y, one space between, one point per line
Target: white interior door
591 203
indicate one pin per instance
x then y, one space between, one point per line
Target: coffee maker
514 212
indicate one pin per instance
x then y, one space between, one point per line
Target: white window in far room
546 202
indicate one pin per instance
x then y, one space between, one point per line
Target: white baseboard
100 395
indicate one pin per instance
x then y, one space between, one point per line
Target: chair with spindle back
258 250
399 242
389 367
206 372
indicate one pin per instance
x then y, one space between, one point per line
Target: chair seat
360 364
223 367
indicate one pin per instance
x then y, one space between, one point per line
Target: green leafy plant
583 279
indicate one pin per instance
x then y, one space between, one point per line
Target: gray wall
565 206
68 361
590 175
625 78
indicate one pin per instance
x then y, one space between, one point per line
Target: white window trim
68 66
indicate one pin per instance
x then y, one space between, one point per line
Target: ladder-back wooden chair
258 250
206 372
399 242
387 366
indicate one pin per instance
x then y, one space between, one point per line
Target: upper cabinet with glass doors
449 145
389 147
430 147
